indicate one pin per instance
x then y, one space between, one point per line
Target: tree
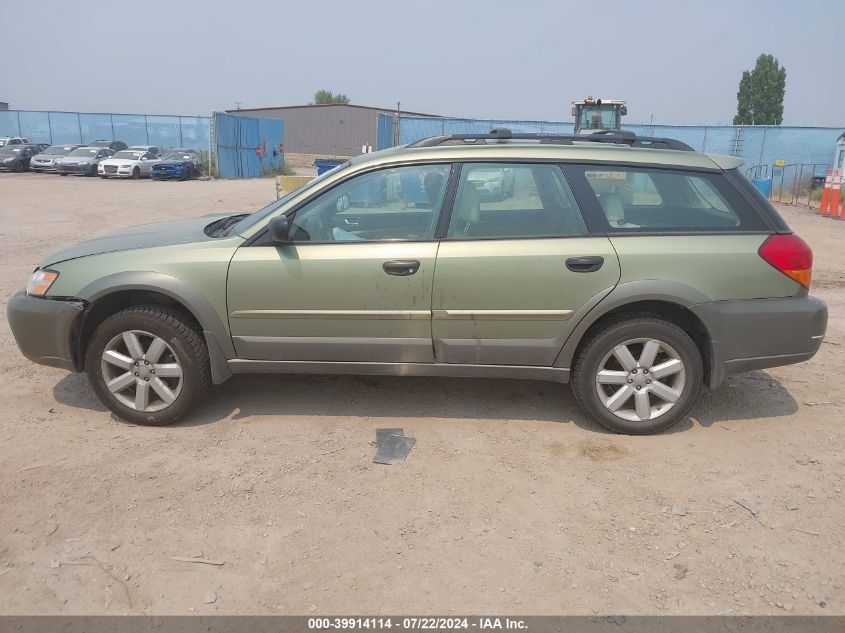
326 96
760 97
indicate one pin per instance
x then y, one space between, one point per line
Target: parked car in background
127 163
16 157
82 161
152 149
12 140
177 164
493 184
46 159
115 146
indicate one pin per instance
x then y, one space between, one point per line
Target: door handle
401 267
586 264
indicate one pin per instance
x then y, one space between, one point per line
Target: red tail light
790 255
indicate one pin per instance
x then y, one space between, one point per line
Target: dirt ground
510 502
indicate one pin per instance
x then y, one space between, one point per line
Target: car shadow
745 397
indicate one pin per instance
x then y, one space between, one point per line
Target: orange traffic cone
828 181
834 195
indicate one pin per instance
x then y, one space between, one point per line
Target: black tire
601 342
61 173
189 173
104 177
18 167
186 343
136 174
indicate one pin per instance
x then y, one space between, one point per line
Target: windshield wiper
220 228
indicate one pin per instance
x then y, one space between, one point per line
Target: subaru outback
633 268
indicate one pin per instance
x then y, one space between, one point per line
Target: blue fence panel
271 133
130 128
756 145
35 126
164 131
84 127
384 131
64 127
95 127
240 140
9 123
194 132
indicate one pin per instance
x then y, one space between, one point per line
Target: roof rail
504 135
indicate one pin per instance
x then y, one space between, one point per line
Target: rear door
516 264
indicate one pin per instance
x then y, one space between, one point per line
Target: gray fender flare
628 293
217 338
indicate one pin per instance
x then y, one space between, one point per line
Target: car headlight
40 282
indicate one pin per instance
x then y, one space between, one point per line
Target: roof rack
504 135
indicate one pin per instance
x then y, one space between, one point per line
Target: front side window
646 199
499 200
401 203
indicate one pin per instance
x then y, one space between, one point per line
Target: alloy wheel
641 379
141 371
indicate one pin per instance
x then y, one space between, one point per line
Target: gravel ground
510 502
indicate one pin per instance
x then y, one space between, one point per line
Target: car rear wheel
638 376
148 365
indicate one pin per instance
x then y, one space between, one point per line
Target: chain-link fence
806 152
83 127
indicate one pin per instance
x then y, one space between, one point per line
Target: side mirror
279 228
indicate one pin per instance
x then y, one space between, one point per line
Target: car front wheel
638 376
148 365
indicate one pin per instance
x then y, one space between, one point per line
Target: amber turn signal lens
40 282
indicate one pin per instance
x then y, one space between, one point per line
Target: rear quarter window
645 199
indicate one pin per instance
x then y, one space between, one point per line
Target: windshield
178 156
607 117
57 150
84 151
11 149
130 154
259 215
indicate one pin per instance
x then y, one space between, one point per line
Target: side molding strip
380 315
553 374
502 315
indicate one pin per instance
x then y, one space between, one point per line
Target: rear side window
511 200
637 199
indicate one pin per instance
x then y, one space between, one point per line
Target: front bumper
168 172
36 166
8 166
45 329
760 333
112 171
83 170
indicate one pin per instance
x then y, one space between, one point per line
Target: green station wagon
633 268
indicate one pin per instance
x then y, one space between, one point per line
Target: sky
678 62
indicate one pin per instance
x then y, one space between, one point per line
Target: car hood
144 236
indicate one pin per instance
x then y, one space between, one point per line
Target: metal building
332 130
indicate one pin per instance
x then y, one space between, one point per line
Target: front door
354 284
515 265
